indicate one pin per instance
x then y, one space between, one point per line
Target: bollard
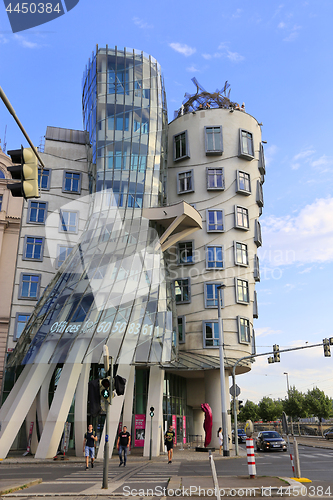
297 464
291 457
250 457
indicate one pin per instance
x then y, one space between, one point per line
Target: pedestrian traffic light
151 411
25 170
327 349
105 389
276 353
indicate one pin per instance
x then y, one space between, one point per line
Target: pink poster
139 430
174 425
184 429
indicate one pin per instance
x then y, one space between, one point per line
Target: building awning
179 220
195 361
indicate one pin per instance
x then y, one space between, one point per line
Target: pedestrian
168 441
123 442
89 441
220 436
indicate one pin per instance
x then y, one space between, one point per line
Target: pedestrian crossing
305 454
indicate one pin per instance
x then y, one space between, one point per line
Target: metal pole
235 410
226 451
291 420
106 444
12 112
151 438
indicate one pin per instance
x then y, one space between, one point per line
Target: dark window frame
239 284
239 190
183 322
40 174
64 190
15 337
215 151
247 330
208 224
191 176
246 155
28 273
215 260
25 244
237 263
183 154
243 214
208 174
61 230
215 340
183 280
30 208
216 284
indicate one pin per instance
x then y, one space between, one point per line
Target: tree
268 409
295 406
248 412
318 404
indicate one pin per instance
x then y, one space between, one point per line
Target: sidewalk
175 486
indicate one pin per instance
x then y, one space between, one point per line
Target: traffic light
105 389
240 405
327 349
276 353
26 170
151 411
270 359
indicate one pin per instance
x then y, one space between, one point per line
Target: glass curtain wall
113 288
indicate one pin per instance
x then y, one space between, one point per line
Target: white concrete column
28 385
80 408
43 399
155 399
213 398
54 425
115 412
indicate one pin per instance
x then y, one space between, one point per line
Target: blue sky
278 59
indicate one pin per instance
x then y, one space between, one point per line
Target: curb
11 488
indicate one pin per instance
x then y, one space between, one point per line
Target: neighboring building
216 163
143 278
10 219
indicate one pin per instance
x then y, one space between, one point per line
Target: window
44 179
255 305
256 271
210 333
215 220
211 295
180 144
213 140
243 182
260 195
2 175
181 329
242 291
1 198
246 145
29 286
69 221
214 257
71 182
241 254
257 233
241 217
37 211
185 182
185 252
182 290
261 165
63 253
33 248
215 178
244 332
20 321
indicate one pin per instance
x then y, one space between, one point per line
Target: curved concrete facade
211 165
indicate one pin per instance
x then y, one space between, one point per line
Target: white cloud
3 39
305 238
207 56
293 34
263 332
141 24
224 52
234 56
281 25
237 13
305 155
25 43
183 49
192 69
306 270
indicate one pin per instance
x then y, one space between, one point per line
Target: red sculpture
208 423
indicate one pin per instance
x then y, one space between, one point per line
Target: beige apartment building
10 219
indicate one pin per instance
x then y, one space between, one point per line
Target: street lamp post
291 420
226 451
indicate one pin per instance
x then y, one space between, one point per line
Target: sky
277 58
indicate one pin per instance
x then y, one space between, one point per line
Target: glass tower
113 288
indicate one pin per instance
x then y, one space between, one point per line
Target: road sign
233 392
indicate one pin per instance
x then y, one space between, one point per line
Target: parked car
329 434
269 441
241 436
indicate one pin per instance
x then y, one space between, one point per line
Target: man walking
168 441
123 442
89 446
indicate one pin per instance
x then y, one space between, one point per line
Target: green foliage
248 412
269 409
295 406
318 404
